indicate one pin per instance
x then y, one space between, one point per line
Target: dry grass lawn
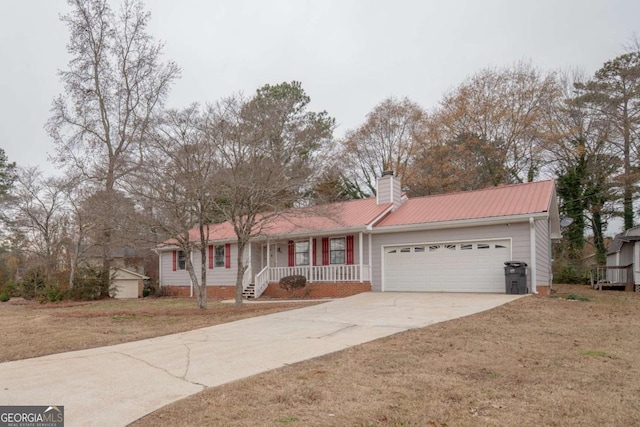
536 361
31 329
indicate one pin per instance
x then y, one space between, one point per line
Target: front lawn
552 361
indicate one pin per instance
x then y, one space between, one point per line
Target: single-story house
126 283
623 260
444 243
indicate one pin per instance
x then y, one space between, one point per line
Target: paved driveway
115 385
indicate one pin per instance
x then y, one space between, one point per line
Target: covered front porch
321 259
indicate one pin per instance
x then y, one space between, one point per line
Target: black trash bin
515 277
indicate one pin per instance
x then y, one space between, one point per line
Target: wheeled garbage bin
515 277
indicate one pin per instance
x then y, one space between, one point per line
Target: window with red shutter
325 251
227 255
314 258
210 256
349 249
175 260
292 253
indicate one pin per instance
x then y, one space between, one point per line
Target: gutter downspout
191 280
532 249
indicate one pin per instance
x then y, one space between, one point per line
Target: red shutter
227 255
349 249
325 251
210 256
292 253
175 260
314 260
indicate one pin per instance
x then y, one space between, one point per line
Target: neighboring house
444 243
126 283
623 260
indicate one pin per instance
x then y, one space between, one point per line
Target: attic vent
387 173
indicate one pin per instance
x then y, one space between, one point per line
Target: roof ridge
480 190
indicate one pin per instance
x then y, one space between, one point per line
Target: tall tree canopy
388 140
114 84
615 92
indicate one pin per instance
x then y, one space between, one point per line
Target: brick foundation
543 290
312 290
212 291
319 290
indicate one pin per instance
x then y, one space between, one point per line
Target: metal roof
509 200
503 201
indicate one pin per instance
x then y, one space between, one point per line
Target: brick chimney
389 190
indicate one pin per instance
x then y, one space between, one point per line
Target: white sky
349 55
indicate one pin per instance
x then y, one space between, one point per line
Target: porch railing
321 273
611 275
262 281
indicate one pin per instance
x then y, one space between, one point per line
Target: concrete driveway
115 385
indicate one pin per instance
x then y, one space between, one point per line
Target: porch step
250 292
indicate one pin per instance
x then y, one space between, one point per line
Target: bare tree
388 140
39 215
504 108
184 198
266 146
114 84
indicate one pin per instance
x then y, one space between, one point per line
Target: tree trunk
240 272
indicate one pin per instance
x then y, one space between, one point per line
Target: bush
51 294
32 284
291 283
12 288
90 284
4 296
146 292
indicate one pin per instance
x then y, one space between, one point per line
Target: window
418 249
434 248
405 250
501 247
181 261
392 252
302 253
218 259
466 247
337 250
450 247
483 246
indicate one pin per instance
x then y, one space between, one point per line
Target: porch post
360 251
371 261
268 252
311 254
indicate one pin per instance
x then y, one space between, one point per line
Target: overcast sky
349 55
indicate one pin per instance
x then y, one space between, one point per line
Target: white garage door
446 267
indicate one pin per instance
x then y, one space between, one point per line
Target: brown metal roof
517 199
311 220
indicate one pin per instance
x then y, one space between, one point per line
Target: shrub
291 283
90 284
4 296
576 297
146 292
51 294
12 288
32 283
